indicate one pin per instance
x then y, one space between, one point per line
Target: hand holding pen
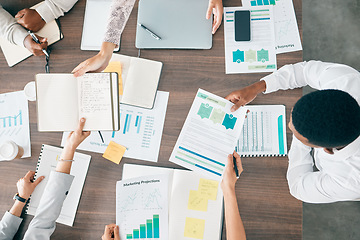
36 47
232 172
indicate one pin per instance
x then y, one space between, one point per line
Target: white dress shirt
338 178
42 225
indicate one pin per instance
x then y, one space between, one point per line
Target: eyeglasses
47 65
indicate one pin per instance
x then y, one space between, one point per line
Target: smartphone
242 25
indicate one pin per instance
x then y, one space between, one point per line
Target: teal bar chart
150 230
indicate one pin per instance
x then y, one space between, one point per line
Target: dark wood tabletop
266 206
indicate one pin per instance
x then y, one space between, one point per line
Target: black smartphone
242 25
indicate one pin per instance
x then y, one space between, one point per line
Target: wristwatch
17 197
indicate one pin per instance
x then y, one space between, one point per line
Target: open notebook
263 132
140 79
195 202
15 54
47 162
63 99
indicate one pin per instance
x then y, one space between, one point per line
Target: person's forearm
67 155
260 86
107 49
234 225
17 208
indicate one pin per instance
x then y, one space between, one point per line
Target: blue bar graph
8 121
262 2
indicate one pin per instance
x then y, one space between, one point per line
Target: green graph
149 230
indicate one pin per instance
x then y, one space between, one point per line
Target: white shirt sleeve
309 186
9 225
52 9
10 29
43 224
316 74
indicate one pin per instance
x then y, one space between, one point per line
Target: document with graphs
209 134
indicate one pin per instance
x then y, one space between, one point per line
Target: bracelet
63 160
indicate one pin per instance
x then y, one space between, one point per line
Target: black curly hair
327 118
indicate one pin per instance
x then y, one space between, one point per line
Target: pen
235 167
37 41
149 31
102 139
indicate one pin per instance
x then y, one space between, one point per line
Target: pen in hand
37 41
235 167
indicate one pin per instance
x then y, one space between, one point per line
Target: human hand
76 137
215 7
26 185
97 63
229 176
245 95
35 48
111 232
30 19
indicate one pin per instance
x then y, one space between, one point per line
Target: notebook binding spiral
37 168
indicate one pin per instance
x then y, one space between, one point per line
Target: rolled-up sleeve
52 9
9 225
10 29
56 190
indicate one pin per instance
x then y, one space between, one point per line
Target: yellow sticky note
116 67
197 201
194 228
114 152
208 188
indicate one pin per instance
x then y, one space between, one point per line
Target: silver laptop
181 24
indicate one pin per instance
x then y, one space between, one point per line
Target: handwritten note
95 94
116 67
114 152
208 188
197 201
194 228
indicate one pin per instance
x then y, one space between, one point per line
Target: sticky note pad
194 228
114 152
208 188
116 67
197 201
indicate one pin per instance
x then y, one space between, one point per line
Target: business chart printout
209 134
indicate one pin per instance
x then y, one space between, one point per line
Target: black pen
102 139
149 31
37 41
235 167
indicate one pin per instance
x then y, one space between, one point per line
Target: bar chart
145 231
262 2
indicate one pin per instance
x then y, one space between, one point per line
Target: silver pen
149 31
37 41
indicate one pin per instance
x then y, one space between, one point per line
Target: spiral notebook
48 158
264 132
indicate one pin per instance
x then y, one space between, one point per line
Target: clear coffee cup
9 150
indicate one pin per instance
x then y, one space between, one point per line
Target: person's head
326 118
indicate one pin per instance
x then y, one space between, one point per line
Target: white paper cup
9 150
30 91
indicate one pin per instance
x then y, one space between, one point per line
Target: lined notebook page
57 102
95 101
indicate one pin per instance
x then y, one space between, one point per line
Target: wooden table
266 206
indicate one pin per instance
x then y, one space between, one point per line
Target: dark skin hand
30 19
35 48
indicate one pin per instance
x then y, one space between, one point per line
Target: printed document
287 37
256 55
209 135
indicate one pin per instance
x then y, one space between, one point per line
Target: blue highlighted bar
126 123
281 134
209 170
136 122
189 151
255 19
113 134
259 2
139 124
